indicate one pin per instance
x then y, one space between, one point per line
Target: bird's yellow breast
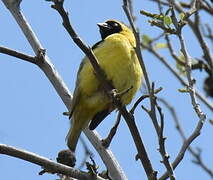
117 58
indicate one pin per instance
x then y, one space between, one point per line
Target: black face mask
108 28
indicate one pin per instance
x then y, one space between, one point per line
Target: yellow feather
116 56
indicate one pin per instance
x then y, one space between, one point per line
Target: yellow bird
116 56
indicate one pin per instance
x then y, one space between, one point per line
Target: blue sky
31 111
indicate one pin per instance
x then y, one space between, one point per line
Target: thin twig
107 141
209 33
157 37
174 115
191 88
200 123
140 57
17 54
176 74
197 155
130 2
196 29
199 65
184 147
162 149
191 82
139 100
171 50
151 174
161 139
195 105
203 6
163 27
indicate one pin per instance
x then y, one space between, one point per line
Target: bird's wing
98 118
76 93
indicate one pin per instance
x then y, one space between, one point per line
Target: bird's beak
103 25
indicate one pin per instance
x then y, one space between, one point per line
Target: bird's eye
113 24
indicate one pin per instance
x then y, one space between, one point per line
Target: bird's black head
109 27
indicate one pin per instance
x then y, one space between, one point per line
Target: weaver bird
117 58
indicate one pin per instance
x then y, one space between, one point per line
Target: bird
116 56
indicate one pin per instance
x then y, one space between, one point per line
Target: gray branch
49 165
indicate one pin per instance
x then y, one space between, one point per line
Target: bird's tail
78 123
72 138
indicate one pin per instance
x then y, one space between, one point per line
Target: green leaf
183 90
182 16
146 39
160 46
167 20
158 16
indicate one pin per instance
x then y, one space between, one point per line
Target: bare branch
203 5
197 155
191 89
17 54
49 165
191 81
137 38
196 29
47 67
139 100
184 147
209 33
194 26
140 57
151 174
199 65
199 126
106 142
171 50
175 73
198 160
162 148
